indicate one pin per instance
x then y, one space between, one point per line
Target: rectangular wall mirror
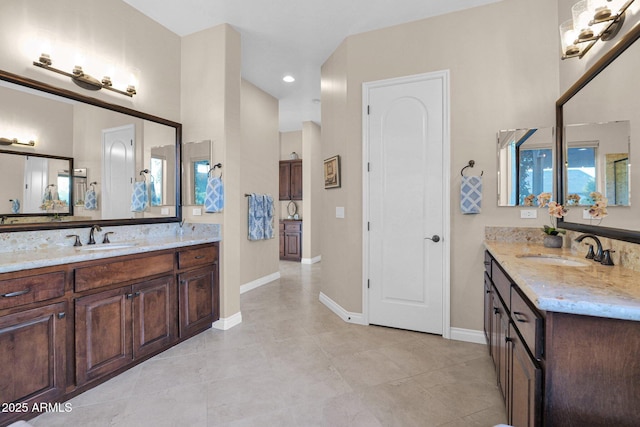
110 146
600 118
525 164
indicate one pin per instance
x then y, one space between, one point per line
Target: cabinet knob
129 296
137 294
62 315
496 310
508 339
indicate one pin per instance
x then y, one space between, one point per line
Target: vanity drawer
502 284
295 226
30 289
528 322
109 273
197 257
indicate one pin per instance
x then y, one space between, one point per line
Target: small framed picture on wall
332 172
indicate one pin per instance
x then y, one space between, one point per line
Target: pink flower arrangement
599 208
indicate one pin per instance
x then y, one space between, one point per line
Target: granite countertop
65 254
594 289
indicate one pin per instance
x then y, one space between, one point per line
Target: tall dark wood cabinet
291 179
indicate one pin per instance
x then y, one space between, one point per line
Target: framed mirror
108 151
600 121
525 164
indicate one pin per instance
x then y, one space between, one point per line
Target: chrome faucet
598 255
92 240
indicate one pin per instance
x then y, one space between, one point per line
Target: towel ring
142 174
217 165
93 184
471 164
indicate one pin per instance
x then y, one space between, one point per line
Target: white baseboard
228 322
259 282
345 315
468 335
311 260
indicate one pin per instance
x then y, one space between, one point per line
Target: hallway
294 363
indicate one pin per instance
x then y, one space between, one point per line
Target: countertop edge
24 260
551 288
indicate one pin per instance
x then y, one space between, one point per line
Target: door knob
435 238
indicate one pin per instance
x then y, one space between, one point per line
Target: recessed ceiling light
288 78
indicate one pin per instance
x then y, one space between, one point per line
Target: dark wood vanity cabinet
291 240
64 330
560 369
291 179
34 324
518 372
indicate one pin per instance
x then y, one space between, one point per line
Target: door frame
442 75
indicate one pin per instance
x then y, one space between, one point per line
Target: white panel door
36 179
406 134
118 166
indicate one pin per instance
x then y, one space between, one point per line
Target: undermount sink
107 247
553 260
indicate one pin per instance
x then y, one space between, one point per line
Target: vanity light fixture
14 141
79 77
592 20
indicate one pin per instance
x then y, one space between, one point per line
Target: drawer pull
16 294
520 317
200 257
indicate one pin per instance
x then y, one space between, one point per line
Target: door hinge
368 284
131 142
368 167
368 226
368 109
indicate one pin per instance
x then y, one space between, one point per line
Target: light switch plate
339 212
197 211
528 213
164 211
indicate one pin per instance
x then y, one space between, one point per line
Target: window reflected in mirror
525 164
197 160
597 160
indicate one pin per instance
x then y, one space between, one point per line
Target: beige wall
117 37
312 187
260 141
503 61
211 110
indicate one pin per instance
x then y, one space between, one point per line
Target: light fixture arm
83 80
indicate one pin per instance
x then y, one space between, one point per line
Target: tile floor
294 363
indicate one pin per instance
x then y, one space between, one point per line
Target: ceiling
294 37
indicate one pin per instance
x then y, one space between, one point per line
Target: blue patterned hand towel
15 206
214 197
268 216
256 217
139 197
155 197
91 200
471 194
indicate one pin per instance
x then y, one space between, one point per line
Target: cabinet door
154 315
32 355
293 246
285 181
525 386
197 300
488 309
281 236
296 180
500 350
103 333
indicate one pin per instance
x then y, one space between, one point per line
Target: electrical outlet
197 211
585 214
528 213
339 212
164 211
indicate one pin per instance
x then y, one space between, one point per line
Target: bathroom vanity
75 317
564 335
